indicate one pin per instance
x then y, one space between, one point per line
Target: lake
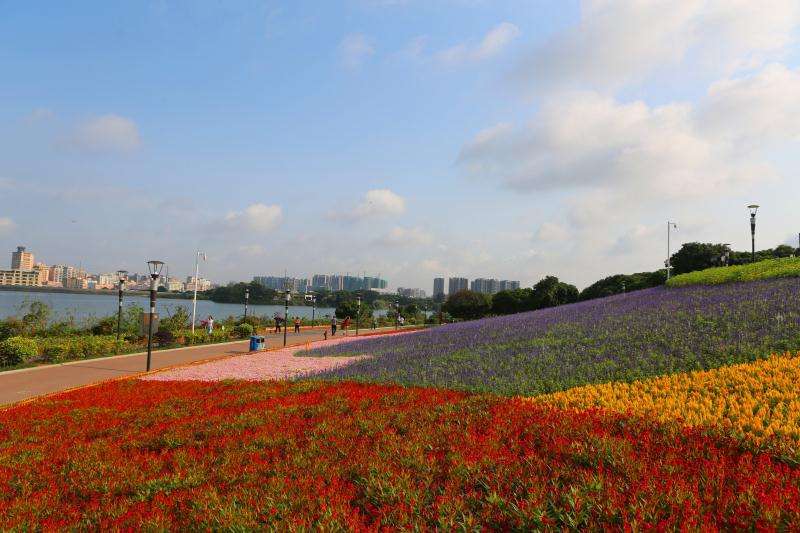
90 306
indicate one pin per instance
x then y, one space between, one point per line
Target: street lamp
753 210
246 301
197 257
396 315
358 314
286 315
121 276
155 271
668 262
311 297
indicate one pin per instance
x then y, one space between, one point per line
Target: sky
409 139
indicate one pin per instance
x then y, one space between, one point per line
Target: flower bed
757 401
240 455
620 338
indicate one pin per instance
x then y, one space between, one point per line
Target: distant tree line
550 291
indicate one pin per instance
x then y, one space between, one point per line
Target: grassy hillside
619 338
771 268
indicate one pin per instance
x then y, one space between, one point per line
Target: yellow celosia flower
754 400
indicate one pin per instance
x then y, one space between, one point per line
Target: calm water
88 306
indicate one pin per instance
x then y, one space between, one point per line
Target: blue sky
412 138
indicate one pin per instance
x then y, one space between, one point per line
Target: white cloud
678 150
552 232
252 250
375 203
622 41
259 218
107 133
354 49
492 44
6 226
400 236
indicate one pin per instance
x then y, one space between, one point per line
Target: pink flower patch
259 366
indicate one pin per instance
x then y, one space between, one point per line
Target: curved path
27 383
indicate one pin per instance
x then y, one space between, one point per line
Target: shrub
16 350
770 268
106 326
243 330
468 305
164 337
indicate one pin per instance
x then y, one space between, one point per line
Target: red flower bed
188 455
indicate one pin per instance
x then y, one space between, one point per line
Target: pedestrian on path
401 320
210 325
333 326
345 325
297 324
276 317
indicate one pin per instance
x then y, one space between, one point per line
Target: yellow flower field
753 400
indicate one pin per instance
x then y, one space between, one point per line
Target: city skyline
415 139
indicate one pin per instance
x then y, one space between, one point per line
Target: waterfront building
20 278
21 260
457 284
202 284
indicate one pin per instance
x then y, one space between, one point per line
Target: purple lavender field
620 338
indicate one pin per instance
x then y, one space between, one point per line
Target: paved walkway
18 385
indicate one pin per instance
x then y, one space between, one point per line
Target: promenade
18 385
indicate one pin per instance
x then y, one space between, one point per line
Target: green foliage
623 283
550 292
164 337
771 268
243 330
698 256
176 322
349 308
468 305
16 350
55 349
105 326
234 293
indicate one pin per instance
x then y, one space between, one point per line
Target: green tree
623 283
468 305
550 292
349 308
698 256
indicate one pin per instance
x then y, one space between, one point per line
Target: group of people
280 322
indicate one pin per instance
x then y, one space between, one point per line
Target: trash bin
257 343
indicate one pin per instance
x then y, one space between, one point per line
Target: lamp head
122 275
288 295
155 268
753 209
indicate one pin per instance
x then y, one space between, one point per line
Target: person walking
345 325
276 317
210 325
401 320
297 324
334 324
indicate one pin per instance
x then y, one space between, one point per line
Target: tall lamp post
286 315
358 314
197 257
753 210
121 275
311 297
155 271
668 262
396 315
246 302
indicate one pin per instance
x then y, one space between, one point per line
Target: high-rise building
411 293
438 287
321 281
457 284
507 285
25 278
21 260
